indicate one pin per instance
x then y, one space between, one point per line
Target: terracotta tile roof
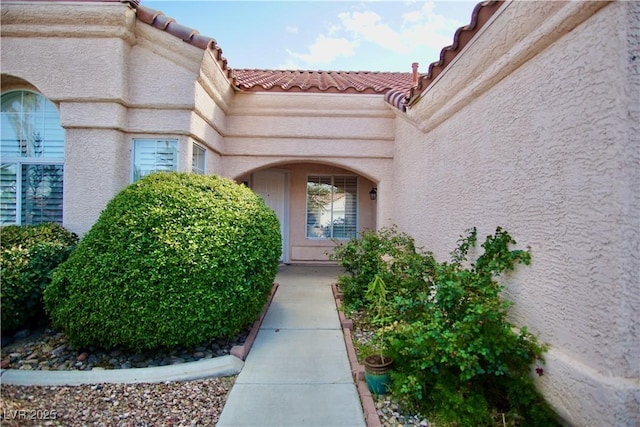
399 88
278 80
481 14
321 81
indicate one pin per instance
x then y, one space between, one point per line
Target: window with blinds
154 155
197 159
332 207
32 147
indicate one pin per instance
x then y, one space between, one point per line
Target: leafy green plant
28 255
457 355
377 296
388 253
174 259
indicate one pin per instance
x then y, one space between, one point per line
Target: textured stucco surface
547 152
87 192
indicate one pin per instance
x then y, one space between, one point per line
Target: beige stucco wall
548 149
113 79
309 133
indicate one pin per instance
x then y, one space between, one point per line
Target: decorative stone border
357 370
241 351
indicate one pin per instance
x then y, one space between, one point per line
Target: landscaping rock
59 350
21 334
175 403
49 350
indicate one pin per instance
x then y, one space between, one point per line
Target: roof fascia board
301 104
311 93
168 47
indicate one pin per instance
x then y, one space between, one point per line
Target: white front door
272 186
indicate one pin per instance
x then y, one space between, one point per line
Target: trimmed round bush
28 255
174 259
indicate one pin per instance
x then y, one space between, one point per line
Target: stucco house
529 121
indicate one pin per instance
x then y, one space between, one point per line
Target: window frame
195 147
174 141
19 161
332 178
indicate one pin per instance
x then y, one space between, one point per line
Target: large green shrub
457 359
174 259
456 355
28 255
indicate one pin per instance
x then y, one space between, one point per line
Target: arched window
31 159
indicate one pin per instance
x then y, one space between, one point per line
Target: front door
271 185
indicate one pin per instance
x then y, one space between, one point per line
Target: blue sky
324 35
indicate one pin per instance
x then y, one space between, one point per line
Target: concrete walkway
297 372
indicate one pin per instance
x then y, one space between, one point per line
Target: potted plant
377 365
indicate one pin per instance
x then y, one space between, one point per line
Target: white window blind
9 193
154 155
332 207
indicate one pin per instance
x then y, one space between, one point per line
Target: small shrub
387 253
174 259
28 255
457 355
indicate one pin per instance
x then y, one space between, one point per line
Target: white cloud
291 29
369 26
410 29
425 28
333 29
421 29
325 50
289 64
413 16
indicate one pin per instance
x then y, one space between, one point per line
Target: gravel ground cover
390 412
192 403
45 349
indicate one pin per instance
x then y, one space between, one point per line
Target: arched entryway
318 205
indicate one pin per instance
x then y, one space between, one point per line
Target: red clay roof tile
159 20
480 15
399 88
321 81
